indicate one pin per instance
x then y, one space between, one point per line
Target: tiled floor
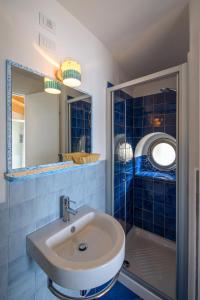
120 292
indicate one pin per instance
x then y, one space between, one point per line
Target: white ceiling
144 36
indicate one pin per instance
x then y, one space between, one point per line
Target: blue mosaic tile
137 203
138 222
159 187
147 120
138 102
159 108
159 197
137 132
147 130
170 211
148 205
138 213
170 223
137 121
147 216
138 111
159 220
138 194
159 230
159 98
147 225
171 130
170 234
148 100
170 107
170 119
158 129
147 195
159 208
148 109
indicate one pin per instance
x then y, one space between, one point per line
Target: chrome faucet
67 210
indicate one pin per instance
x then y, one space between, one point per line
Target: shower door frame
180 72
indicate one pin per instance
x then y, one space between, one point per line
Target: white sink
57 249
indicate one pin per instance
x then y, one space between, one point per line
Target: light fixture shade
52 86
71 73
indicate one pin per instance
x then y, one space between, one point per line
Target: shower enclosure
146 176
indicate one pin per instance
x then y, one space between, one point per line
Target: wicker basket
81 157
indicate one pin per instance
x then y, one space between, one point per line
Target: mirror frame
9 65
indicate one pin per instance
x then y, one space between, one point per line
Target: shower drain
126 264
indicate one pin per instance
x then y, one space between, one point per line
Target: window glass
125 152
163 154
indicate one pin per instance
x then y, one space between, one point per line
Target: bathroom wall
19 35
155 199
28 205
81 117
147 202
32 203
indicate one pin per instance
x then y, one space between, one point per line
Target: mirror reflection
45 126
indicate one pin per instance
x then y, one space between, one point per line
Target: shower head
166 90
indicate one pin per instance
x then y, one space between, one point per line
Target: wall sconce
157 122
70 73
52 86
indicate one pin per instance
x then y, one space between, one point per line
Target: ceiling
144 36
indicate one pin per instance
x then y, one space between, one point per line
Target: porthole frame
156 142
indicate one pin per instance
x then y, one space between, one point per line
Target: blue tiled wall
155 113
31 204
147 202
123 172
80 124
155 206
155 199
144 168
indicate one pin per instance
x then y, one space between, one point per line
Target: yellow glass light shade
52 86
71 73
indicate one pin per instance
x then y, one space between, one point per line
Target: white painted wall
194 98
19 31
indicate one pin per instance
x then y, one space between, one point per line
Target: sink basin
81 254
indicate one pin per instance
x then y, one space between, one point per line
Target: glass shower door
123 159
119 164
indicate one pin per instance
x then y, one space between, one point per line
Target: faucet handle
71 201
66 200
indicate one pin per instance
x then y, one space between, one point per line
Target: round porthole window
163 154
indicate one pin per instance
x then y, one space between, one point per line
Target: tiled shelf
36 171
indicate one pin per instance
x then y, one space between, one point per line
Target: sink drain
126 264
82 246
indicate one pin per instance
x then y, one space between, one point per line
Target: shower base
152 259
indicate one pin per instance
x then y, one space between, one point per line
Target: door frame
181 73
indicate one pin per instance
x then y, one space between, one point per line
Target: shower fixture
162 90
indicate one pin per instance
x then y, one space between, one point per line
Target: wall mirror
42 126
